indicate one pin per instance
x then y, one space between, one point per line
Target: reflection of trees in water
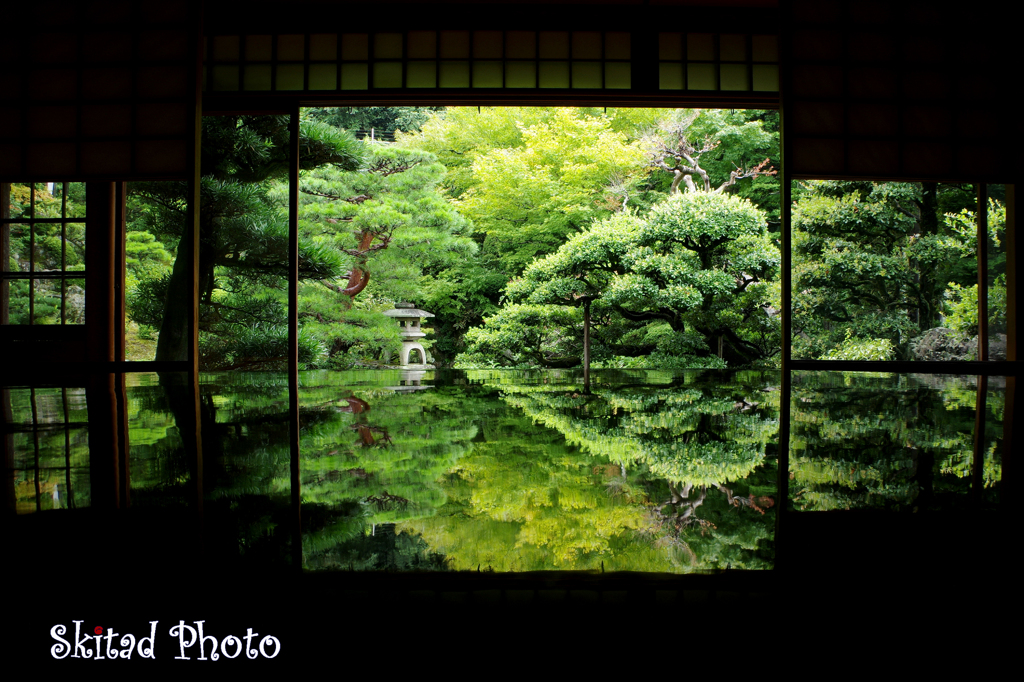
680 442
45 434
635 475
683 530
706 430
524 500
959 394
373 457
368 435
390 473
244 422
680 507
880 441
362 467
383 548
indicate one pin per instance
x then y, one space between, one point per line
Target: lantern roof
407 310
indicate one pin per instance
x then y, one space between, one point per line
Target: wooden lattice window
46 432
42 245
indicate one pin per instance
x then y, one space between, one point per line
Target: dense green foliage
961 304
377 123
398 239
699 262
878 264
536 182
520 183
369 214
520 228
243 242
528 200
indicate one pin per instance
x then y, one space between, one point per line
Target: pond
508 472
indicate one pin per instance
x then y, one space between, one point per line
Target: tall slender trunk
930 293
172 343
586 345
5 251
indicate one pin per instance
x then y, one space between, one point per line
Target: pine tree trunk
586 345
931 293
172 343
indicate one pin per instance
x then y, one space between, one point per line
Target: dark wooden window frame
982 368
33 275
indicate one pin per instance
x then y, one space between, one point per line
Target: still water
514 471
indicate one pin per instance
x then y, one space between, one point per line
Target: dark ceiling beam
214 104
260 17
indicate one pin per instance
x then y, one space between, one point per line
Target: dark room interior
112 92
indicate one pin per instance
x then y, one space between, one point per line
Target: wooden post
981 217
7 447
293 334
786 272
5 251
104 442
978 460
100 271
120 265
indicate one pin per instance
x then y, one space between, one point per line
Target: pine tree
243 236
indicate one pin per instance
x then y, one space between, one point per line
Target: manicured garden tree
243 239
525 335
700 262
871 262
528 178
692 275
579 272
396 235
705 263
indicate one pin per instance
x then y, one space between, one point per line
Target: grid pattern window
873 97
717 62
42 241
422 60
46 434
98 89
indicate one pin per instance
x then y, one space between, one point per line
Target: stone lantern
409 317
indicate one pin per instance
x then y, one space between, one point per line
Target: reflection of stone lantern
412 380
409 324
